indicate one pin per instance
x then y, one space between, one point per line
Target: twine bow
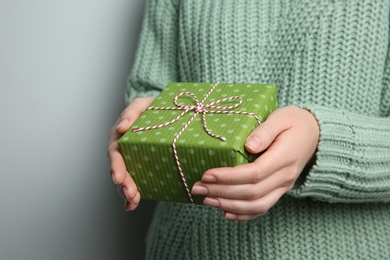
199 107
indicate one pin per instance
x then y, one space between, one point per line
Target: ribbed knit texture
330 57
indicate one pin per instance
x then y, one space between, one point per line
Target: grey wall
63 68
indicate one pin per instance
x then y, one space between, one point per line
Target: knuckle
220 193
256 177
289 186
118 177
266 128
230 206
113 146
261 209
288 177
131 192
291 176
251 193
227 179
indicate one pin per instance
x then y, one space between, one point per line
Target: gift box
190 128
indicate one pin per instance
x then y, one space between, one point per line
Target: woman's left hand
288 140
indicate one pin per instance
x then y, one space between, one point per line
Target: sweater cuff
137 94
340 172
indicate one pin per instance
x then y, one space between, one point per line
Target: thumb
263 135
131 113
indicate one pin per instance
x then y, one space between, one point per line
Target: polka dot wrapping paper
170 147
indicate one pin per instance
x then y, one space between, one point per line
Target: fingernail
253 143
209 178
199 190
211 202
122 123
230 216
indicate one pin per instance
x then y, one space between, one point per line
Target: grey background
63 70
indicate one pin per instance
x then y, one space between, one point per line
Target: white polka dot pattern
149 156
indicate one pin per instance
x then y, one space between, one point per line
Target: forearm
156 60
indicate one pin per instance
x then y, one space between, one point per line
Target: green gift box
190 128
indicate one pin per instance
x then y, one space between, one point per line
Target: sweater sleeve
155 63
353 158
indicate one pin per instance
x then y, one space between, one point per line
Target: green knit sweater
329 56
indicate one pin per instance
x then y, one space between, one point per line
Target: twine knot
200 108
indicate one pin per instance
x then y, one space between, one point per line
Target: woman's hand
119 173
289 139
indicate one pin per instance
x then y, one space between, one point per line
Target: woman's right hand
119 173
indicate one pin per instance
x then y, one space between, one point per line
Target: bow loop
212 104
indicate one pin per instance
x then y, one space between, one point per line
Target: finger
131 194
242 208
120 175
263 135
281 178
126 119
239 217
129 206
129 188
279 155
118 167
250 173
131 113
